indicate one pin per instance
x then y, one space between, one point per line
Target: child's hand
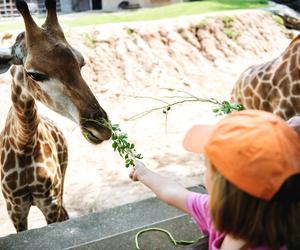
138 170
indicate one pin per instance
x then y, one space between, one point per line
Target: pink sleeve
197 205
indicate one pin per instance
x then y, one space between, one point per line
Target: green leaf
115 145
139 156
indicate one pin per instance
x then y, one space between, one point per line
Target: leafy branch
125 149
120 139
120 142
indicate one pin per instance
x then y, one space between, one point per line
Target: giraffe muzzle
95 133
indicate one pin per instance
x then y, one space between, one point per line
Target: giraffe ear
6 59
13 55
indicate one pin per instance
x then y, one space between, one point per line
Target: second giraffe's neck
294 47
24 119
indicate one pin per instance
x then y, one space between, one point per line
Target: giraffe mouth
91 137
95 133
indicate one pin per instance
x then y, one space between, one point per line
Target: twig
223 107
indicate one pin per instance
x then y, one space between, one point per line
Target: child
253 181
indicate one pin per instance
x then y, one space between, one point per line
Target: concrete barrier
111 229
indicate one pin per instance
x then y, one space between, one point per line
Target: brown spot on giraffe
41 174
295 75
266 106
18 201
296 89
274 97
296 102
21 192
39 158
10 161
47 150
6 145
12 185
295 48
249 102
8 205
30 174
287 55
248 91
266 78
2 156
293 63
264 89
54 135
21 160
23 178
255 82
256 101
11 177
274 82
285 87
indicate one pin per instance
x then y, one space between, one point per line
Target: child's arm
165 189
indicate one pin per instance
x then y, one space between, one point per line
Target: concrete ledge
181 228
111 229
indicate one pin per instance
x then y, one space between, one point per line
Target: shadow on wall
125 5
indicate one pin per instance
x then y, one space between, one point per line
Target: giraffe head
291 19
49 69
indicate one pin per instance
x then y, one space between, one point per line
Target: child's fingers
133 175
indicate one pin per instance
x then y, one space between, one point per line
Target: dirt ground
200 54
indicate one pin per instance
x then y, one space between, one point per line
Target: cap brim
197 137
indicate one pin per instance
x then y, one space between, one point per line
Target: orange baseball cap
254 150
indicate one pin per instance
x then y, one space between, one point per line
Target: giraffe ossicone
33 151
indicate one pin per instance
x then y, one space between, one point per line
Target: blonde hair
272 223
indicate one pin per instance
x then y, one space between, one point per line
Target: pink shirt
197 205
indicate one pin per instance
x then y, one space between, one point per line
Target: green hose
175 242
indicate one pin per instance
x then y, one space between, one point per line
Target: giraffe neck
23 120
294 47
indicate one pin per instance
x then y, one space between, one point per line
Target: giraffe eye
37 76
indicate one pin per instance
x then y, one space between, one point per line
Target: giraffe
273 86
33 152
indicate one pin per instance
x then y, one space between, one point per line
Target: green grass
16 24
175 10
169 11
